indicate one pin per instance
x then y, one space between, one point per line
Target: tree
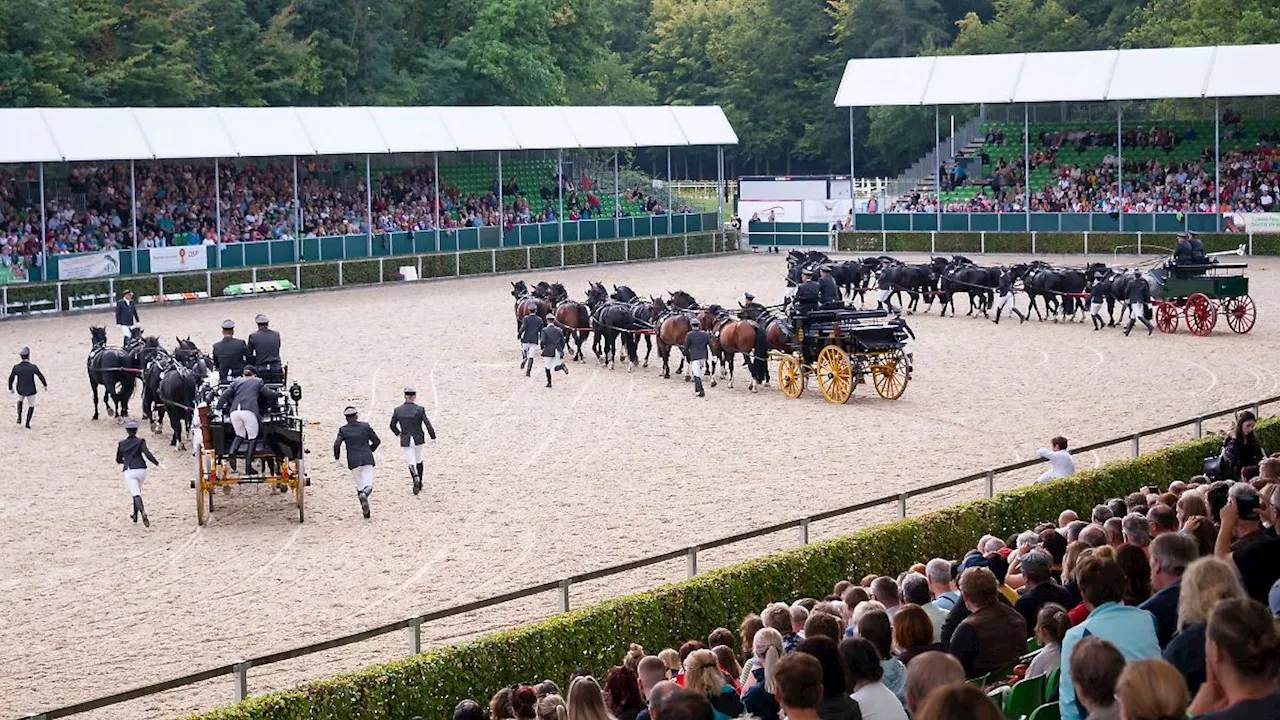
1023 26
36 55
1174 23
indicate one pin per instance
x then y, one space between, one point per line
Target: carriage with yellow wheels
280 455
841 348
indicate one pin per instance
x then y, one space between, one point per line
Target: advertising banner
79 267
179 259
1257 222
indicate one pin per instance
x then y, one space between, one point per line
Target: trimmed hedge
640 250
611 251
596 637
1101 243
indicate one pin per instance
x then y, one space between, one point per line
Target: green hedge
640 249
1064 243
596 637
1101 243
578 254
706 244
670 247
475 263
611 251
544 257
907 242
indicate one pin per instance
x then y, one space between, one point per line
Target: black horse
178 391
1117 282
623 293
115 370
979 283
1057 287
611 319
915 280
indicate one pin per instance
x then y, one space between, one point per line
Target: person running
551 338
1097 296
407 423
1005 292
132 453
1139 296
697 349
884 289
529 334
362 442
25 374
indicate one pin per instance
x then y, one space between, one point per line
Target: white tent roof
67 134
1196 72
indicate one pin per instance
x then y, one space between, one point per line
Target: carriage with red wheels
1200 293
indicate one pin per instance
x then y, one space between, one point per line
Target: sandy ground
525 485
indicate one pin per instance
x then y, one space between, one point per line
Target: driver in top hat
264 346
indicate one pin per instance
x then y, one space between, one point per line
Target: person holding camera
1244 543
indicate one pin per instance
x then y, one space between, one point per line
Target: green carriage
1200 293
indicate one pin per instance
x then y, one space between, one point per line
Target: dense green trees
773 64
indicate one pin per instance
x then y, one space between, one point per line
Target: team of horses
170 381
1059 290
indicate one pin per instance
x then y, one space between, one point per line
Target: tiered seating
479 178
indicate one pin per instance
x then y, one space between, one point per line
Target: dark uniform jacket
126 312
884 282
1139 291
230 355
407 422
827 290
697 345
808 293
131 451
1098 293
244 393
264 345
991 639
1183 254
26 373
530 327
361 442
1005 285
552 340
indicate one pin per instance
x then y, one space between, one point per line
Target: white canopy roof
83 134
1195 72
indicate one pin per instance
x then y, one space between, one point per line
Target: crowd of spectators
176 206
1156 606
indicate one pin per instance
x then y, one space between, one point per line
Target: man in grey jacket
241 401
697 349
407 423
362 442
530 332
552 341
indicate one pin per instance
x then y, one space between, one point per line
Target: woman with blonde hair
1151 689
586 700
631 660
751 624
759 697
552 707
671 659
702 674
1205 583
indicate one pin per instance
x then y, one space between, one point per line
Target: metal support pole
415 636
853 204
133 208
953 137
368 206
435 160
297 214
804 531
937 174
44 230
561 254
617 195
217 213
528 258
720 186
1257 409
564 595
1217 166
670 193
1199 428
502 207
58 307
902 505
1120 169
691 561
1135 445
208 283
560 199
241 673
1026 160
991 483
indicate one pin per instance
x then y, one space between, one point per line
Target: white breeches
245 424
1138 310
30 400
133 480
528 350
412 453
363 477
125 332
1006 302
882 296
1095 309
697 368
551 363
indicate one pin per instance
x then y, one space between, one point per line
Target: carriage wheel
1201 314
1167 317
200 471
889 375
1241 313
834 374
298 488
791 378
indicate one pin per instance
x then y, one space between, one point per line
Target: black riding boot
139 510
1097 323
417 480
30 411
250 449
528 367
998 311
419 468
548 378
697 386
364 503
1128 327
1150 328
1022 317
19 412
235 448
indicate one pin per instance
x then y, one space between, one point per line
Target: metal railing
927 166
240 670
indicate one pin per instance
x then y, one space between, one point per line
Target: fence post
241 673
1135 448
686 244
982 237
1033 242
991 484
884 241
60 298
804 531
594 255
691 560
208 283
419 267
415 636
111 290
1086 243
902 505
4 300
340 273
1257 409
1139 243
1250 250
933 241
528 258
381 270
561 254
564 595
253 277
160 284
457 264
1199 427
493 261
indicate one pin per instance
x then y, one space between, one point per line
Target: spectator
1061 464
1101 514
1171 553
728 664
1204 532
1137 573
635 653
1206 583
875 627
862 666
751 625
552 707
798 617
1191 505
1066 517
671 659
836 703
823 624
1255 553
548 687
468 710
1074 530
885 591
687 648
778 617
1243 653
800 686
1241 446
1040 587
1095 666
1137 531
758 693
1162 519
841 587
524 702
684 705
1053 542
1132 631
1216 496
651 671
1151 690
500 705
994 636
913 634
702 673
959 701
929 672
1115 531
1118 508
1093 536
656 696
1052 625
586 700
720 636
942 587
622 694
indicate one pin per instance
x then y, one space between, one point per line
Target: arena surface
525 485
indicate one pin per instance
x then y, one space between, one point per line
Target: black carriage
280 452
840 348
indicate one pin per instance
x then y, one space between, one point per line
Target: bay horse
113 369
671 323
730 336
528 303
572 316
